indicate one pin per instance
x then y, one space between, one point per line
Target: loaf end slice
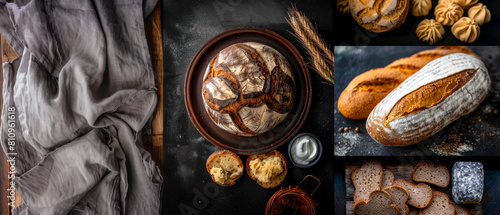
225 167
420 196
366 179
379 202
440 205
427 172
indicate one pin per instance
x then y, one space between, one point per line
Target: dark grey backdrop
187 25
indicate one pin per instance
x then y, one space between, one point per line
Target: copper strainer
292 200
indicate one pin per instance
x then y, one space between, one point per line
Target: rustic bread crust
376 18
432 166
280 178
409 186
378 180
358 104
209 165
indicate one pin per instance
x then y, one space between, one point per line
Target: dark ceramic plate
264 142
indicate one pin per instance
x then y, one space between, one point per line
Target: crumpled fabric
83 89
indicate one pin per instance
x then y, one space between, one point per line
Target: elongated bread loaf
366 90
440 93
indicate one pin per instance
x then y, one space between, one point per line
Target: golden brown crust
358 104
216 154
281 177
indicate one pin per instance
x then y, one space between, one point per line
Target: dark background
187 25
479 131
489 203
353 34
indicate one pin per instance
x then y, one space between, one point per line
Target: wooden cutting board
400 172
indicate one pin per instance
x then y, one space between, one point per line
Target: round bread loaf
248 89
379 16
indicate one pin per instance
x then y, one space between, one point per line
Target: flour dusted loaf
248 88
379 16
426 102
467 182
225 167
366 90
268 169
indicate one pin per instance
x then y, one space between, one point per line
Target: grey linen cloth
82 89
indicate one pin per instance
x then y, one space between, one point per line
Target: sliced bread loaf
429 173
440 205
399 196
459 210
366 179
387 179
420 195
379 202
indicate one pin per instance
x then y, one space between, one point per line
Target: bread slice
366 179
440 205
399 196
379 202
268 169
387 179
459 210
414 211
225 167
420 195
427 172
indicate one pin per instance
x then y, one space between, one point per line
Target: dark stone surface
478 132
187 25
353 34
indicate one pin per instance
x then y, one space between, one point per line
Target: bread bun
379 16
268 169
225 167
248 89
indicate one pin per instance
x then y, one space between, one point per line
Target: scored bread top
366 179
225 167
269 169
380 202
399 196
440 205
419 121
420 196
427 172
378 16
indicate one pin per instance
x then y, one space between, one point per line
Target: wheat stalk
321 57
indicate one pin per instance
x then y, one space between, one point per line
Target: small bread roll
343 6
480 14
430 31
379 16
466 30
448 13
466 4
420 7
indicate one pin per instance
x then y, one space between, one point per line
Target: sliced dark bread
433 174
399 196
366 179
440 205
420 195
387 179
379 202
459 210
414 211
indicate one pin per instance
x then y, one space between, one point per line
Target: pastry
430 31
467 182
466 30
379 202
440 93
420 7
440 205
447 12
480 14
248 89
379 16
366 90
225 167
420 196
366 179
268 169
466 4
343 6
427 172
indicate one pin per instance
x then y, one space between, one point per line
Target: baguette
366 90
380 202
269 169
225 167
440 205
427 172
420 196
438 94
366 179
